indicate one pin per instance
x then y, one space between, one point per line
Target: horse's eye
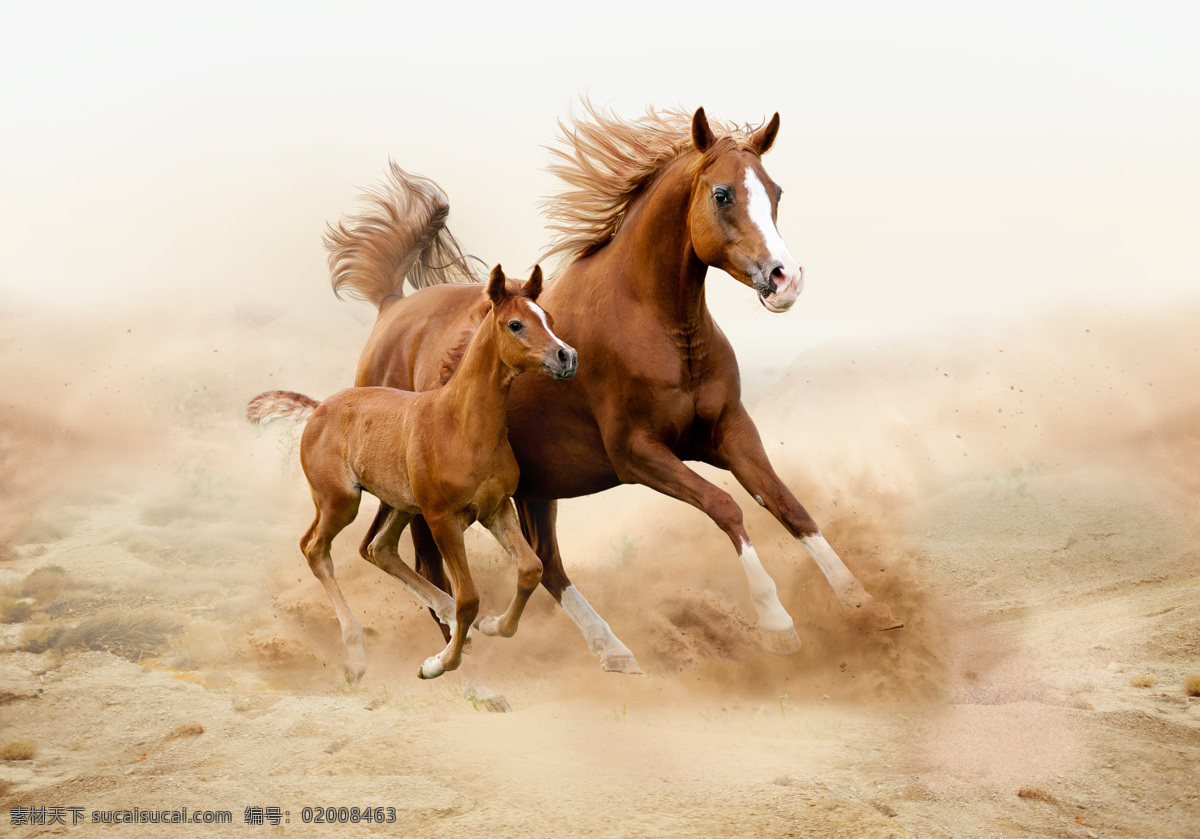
723 195
515 325
778 193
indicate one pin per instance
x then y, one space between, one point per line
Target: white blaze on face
759 211
540 314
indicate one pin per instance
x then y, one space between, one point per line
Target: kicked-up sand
1025 496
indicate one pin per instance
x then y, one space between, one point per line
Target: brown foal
442 454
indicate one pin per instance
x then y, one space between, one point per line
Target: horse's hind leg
538 525
447 532
335 510
504 526
379 549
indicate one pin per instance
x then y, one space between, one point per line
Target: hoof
780 643
430 668
354 671
873 616
620 663
488 626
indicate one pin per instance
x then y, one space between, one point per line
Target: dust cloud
1025 495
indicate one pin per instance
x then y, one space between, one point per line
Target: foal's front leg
448 534
739 449
504 526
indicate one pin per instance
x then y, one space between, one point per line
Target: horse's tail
401 232
279 404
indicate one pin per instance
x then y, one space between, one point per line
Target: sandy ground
1025 496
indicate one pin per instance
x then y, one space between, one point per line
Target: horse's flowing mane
400 232
607 160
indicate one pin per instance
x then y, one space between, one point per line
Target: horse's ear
496 290
702 134
764 138
533 287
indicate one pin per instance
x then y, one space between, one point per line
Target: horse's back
414 336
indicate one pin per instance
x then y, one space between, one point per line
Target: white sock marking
844 584
771 614
596 631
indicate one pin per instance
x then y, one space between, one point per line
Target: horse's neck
654 248
477 393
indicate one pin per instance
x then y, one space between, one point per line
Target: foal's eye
723 195
515 325
778 193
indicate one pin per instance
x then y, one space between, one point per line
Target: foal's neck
655 246
478 390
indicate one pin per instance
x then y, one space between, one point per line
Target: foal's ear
496 290
533 286
702 134
764 138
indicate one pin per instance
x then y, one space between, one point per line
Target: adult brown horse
653 203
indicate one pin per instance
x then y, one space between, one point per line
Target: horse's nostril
563 356
774 278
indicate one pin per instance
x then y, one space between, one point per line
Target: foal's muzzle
562 362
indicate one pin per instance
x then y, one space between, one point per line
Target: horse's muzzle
561 362
780 286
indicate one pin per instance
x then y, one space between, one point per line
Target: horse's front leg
738 448
649 462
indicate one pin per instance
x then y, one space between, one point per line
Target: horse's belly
558 459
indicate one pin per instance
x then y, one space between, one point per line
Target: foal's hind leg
538 525
379 549
504 526
335 510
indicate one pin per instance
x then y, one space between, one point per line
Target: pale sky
940 159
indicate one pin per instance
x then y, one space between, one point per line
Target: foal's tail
400 232
279 404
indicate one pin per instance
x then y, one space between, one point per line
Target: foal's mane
607 161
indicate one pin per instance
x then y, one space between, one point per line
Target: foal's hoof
780 643
431 668
620 663
489 625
